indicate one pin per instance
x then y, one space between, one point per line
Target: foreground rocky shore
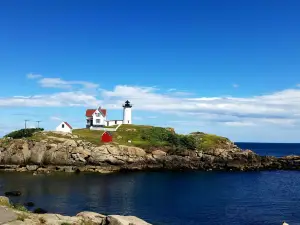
70 154
10 215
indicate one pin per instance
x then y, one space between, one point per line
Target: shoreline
74 155
18 214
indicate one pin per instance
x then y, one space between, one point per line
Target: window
62 126
97 114
97 121
115 122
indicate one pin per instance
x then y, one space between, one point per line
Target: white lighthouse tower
127 113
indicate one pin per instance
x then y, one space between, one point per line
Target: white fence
106 129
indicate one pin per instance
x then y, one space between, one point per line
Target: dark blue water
274 149
175 198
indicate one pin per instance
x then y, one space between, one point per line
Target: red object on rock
106 137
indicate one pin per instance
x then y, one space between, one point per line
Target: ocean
273 149
173 198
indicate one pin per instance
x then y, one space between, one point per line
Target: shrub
205 142
23 133
20 207
188 142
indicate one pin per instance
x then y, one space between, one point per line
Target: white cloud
59 83
239 123
33 76
55 118
279 108
62 99
137 118
235 85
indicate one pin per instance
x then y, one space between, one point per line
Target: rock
158 154
56 219
21 169
4 201
29 204
71 143
132 151
68 169
37 153
125 220
93 217
13 193
31 167
39 211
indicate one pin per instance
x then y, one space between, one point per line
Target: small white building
96 118
64 127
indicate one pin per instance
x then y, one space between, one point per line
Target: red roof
103 111
90 112
68 125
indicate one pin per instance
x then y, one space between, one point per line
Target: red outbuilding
106 137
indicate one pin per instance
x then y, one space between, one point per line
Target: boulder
4 201
93 217
13 193
125 220
31 167
37 153
132 151
71 143
158 154
56 219
39 211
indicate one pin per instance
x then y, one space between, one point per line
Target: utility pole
38 122
26 123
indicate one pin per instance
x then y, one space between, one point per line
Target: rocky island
134 148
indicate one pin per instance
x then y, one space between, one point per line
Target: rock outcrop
70 154
84 218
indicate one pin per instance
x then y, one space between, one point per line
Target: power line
38 122
26 123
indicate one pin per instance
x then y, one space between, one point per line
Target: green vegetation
146 137
22 217
206 142
23 133
20 207
149 137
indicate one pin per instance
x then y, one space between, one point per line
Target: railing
106 129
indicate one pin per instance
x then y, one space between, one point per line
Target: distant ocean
273 149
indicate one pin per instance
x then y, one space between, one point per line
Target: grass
121 136
206 142
146 137
22 217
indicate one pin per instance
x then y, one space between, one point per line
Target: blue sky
224 67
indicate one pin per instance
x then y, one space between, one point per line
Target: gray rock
93 217
125 220
31 167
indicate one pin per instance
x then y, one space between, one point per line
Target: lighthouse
127 113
